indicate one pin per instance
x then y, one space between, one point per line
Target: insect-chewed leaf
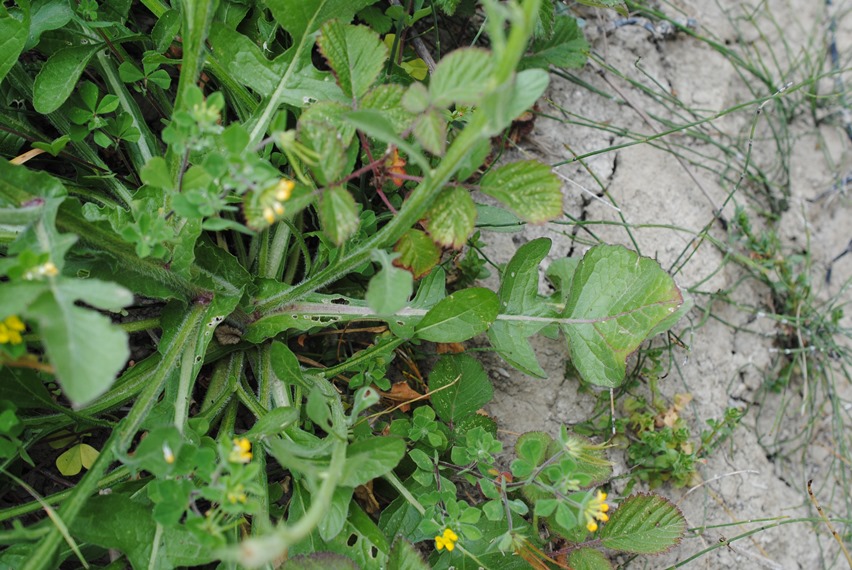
528 187
356 54
617 299
451 218
644 524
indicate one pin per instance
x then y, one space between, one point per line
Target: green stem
403 490
119 440
185 385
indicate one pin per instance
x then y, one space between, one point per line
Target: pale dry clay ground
723 368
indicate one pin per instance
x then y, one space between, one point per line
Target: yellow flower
241 452
283 189
168 454
448 540
11 329
596 509
237 495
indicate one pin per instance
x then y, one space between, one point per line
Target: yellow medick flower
11 329
447 540
241 452
596 509
284 189
237 495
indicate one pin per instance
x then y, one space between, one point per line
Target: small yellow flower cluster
283 190
11 329
448 540
596 509
47 269
241 452
237 495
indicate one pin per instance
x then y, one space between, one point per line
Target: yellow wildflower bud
10 330
447 540
268 215
284 189
49 269
278 208
592 526
241 452
168 454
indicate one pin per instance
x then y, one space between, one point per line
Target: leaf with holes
452 217
617 299
528 188
644 524
356 55
459 386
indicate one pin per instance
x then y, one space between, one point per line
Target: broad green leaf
588 559
418 253
13 36
461 77
321 561
470 389
519 296
566 48
246 63
431 131
452 217
459 317
506 104
529 188
286 365
371 458
644 524
58 77
303 17
617 298
497 219
322 139
390 288
360 540
274 422
416 98
73 460
355 54
387 99
338 213
165 30
85 348
46 15
334 517
116 521
403 556
333 115
618 5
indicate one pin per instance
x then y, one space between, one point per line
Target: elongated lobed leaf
356 55
621 298
644 524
